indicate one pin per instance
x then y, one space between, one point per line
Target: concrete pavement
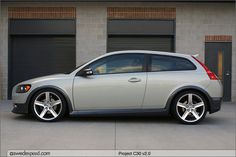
217 131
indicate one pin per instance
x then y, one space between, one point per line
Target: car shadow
100 119
215 121
125 119
23 118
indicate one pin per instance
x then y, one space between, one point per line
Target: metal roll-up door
39 48
155 35
155 43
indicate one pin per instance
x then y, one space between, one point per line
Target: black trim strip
185 1
121 112
42 27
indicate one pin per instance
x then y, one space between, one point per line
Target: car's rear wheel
189 107
48 105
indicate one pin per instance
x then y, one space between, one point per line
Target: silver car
125 83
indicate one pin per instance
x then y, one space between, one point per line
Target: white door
118 82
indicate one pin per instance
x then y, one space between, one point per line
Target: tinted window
167 63
126 63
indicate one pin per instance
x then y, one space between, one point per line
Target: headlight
23 88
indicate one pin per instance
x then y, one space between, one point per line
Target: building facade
41 37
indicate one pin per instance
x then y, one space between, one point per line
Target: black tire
189 111
53 93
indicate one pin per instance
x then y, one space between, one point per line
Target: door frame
223 64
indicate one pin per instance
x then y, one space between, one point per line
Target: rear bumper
20 108
215 105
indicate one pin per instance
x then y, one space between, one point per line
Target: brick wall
218 38
42 12
141 13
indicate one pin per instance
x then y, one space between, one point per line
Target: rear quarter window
170 63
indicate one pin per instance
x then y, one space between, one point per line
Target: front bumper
215 105
20 102
20 108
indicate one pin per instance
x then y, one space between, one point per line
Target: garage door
141 35
116 43
40 51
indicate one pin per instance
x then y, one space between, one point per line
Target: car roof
135 51
149 52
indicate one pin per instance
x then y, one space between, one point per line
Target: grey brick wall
3 52
91 32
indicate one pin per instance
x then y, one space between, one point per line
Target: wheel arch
61 91
186 88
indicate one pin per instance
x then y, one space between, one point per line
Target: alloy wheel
190 107
47 106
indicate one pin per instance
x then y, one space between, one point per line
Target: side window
168 63
123 63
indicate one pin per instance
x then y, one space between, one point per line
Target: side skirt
120 112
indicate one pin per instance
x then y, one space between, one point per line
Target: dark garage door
141 35
33 55
158 43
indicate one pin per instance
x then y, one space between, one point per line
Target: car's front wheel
189 107
48 105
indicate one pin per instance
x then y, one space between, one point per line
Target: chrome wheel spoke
190 98
39 103
43 113
183 105
54 103
195 114
184 116
200 104
47 96
53 113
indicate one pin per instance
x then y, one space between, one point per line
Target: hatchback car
124 83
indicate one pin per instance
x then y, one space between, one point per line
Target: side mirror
87 72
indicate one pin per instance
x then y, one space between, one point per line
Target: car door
118 82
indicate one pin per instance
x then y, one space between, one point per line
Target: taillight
211 75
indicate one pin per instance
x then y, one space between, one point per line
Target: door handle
227 74
134 79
